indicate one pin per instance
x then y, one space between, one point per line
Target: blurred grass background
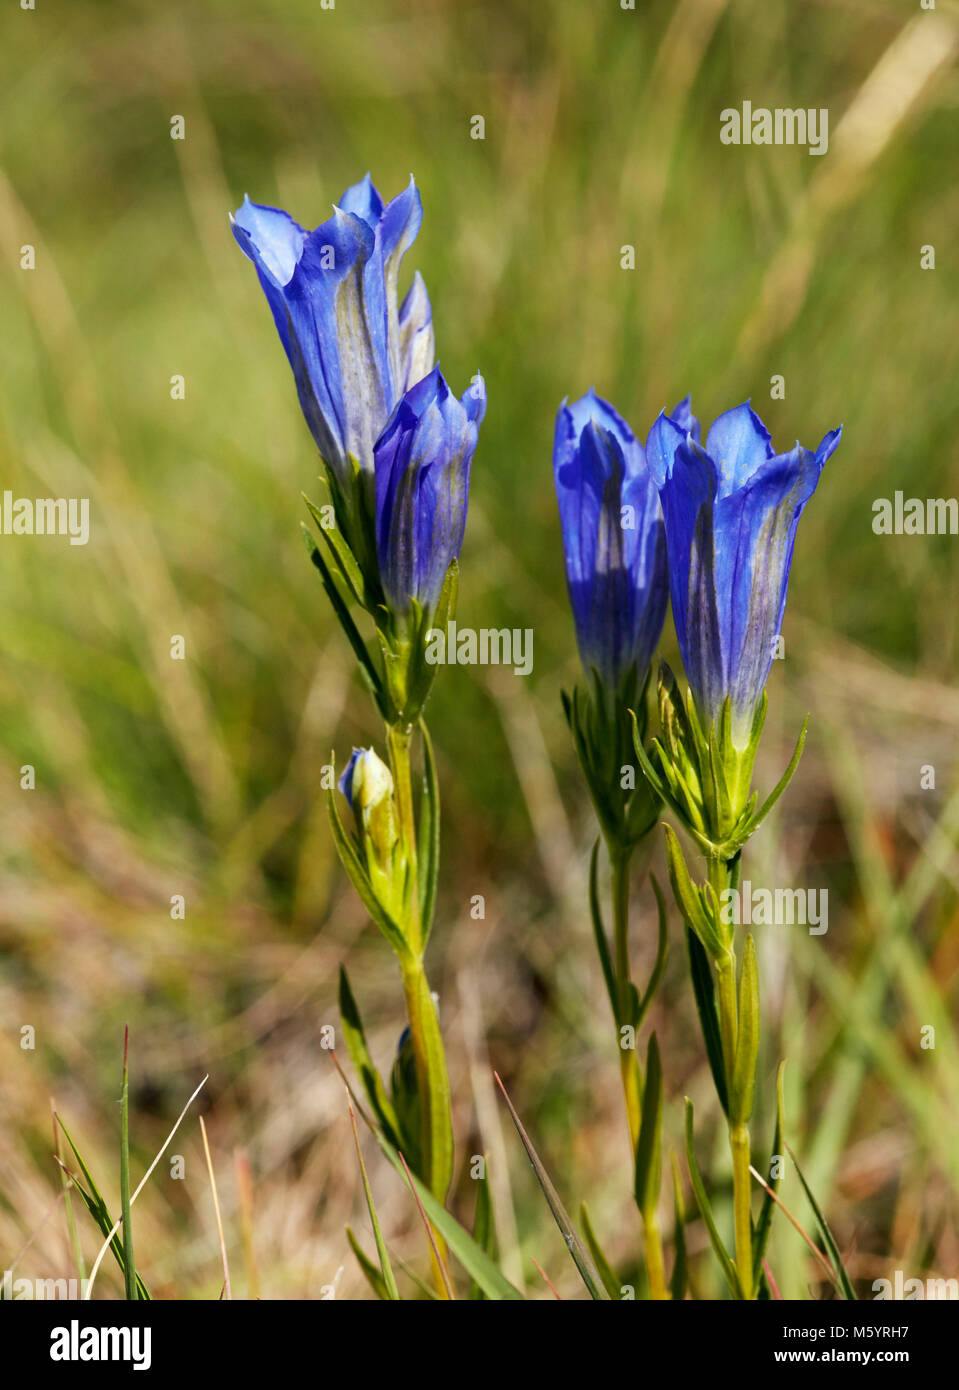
156 777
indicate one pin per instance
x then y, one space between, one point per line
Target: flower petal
417 346
738 443
364 201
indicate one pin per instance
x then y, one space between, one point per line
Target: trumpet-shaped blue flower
613 538
333 292
422 466
732 509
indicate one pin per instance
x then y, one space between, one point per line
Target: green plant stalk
724 876
628 1060
431 1075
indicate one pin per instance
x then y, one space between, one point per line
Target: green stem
432 1081
727 876
742 1191
654 1257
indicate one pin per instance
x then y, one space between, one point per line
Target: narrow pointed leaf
705 1210
829 1240
611 1283
484 1232
648 1149
708 1018
766 1211
574 1245
428 836
373 1276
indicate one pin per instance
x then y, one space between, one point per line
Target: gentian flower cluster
396 444
717 524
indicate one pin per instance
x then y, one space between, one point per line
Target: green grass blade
706 1005
98 1209
587 1270
766 1212
612 1285
484 1231
386 1271
372 1275
129 1268
705 1210
845 1284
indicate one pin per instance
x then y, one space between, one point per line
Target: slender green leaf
611 1283
767 1210
356 1045
346 622
386 1271
747 1040
428 836
129 1268
599 931
648 1149
574 1245
662 951
373 1276
705 1210
98 1209
845 1284
709 1019
484 1231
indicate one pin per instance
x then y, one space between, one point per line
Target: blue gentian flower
732 509
333 292
613 538
422 465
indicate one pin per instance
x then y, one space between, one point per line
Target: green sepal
600 722
409 676
703 777
341 552
759 816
